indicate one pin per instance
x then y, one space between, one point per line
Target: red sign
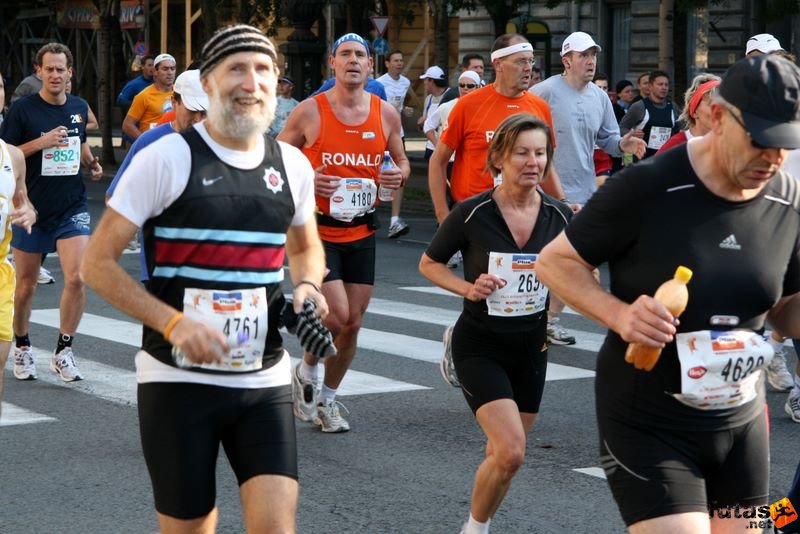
380 24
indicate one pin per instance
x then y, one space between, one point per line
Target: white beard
222 114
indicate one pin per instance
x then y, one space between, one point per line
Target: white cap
161 57
578 42
191 90
433 73
764 43
472 75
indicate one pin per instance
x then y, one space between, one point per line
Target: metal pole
164 6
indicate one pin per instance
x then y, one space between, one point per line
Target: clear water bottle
384 193
235 340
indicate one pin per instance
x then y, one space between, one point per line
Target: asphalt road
71 459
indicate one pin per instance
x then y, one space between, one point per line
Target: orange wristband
171 324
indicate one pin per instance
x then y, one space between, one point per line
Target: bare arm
394 144
566 274
91 122
302 125
51 139
24 214
89 159
306 262
130 127
784 316
102 272
437 179
442 276
431 126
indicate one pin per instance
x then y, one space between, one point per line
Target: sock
393 220
796 388
23 340
308 372
552 317
64 341
326 395
474 526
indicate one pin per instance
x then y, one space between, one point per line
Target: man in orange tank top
472 122
344 132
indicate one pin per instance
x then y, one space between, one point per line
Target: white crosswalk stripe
119 385
596 472
129 333
15 415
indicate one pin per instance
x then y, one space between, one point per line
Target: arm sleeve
301 182
432 122
633 117
9 134
125 96
609 222
137 107
449 238
453 135
124 166
791 280
153 180
608 136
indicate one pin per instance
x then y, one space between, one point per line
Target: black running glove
308 328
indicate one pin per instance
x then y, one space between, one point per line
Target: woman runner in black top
499 342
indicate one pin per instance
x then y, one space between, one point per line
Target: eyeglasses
747 133
524 62
468 85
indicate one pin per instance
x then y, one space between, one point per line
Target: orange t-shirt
470 127
149 105
349 152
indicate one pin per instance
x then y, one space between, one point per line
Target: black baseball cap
286 79
766 89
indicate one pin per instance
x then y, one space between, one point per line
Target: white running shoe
455 261
446 366
557 335
778 375
45 277
329 419
133 244
398 228
304 397
24 364
63 364
792 406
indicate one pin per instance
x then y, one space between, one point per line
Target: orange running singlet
470 127
348 152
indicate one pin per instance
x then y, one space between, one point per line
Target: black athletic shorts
655 472
492 366
352 263
183 424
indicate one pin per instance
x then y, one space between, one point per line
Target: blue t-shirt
131 89
147 138
373 86
55 197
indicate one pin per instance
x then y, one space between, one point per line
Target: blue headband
350 37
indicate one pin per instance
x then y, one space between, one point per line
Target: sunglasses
467 85
740 123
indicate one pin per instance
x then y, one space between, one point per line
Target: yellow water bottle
674 295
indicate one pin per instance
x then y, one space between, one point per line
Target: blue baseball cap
350 37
